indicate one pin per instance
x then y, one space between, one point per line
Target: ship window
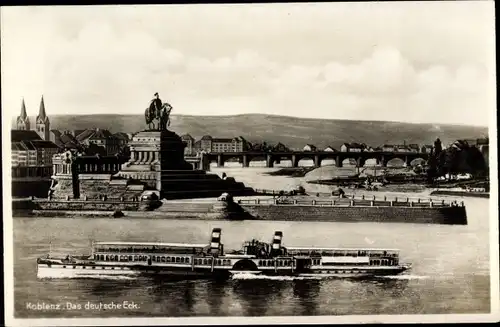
116 257
93 267
157 259
205 261
182 259
162 259
136 258
84 267
187 260
74 267
64 266
260 262
129 258
177 259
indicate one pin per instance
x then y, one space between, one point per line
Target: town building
330 149
309 148
427 148
65 139
122 138
414 147
210 144
28 149
100 141
280 147
189 150
352 147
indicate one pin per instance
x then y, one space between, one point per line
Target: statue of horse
158 120
157 115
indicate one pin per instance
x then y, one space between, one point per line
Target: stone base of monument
156 164
157 161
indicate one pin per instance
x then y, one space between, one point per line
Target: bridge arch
371 162
418 161
305 161
258 160
349 162
396 162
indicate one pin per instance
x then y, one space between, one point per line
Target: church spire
42 116
23 114
42 122
23 121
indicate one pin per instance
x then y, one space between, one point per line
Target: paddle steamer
209 260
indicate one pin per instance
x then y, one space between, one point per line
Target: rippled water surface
450 272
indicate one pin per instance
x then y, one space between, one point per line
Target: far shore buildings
32 150
210 144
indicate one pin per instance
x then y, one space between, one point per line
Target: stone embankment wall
75 205
30 188
397 214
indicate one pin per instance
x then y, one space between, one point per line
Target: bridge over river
317 157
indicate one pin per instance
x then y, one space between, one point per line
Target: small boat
185 260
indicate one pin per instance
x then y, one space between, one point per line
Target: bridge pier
246 163
204 162
338 162
360 162
220 160
269 161
407 162
317 161
383 162
295 162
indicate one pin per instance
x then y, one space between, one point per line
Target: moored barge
183 260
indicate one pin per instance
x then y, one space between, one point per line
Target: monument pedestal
152 152
157 161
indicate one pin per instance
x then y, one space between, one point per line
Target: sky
428 62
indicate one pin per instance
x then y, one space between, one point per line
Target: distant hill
291 131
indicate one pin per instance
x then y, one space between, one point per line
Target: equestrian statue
158 114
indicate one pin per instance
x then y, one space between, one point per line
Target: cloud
113 62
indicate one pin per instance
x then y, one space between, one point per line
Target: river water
450 272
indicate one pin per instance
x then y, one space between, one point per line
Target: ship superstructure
186 260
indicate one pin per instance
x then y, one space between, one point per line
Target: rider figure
156 105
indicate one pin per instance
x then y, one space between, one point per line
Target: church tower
42 123
23 121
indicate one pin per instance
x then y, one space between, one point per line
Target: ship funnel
215 241
278 236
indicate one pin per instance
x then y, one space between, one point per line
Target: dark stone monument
157 161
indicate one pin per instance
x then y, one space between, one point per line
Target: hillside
292 131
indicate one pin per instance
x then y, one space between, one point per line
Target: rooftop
17 135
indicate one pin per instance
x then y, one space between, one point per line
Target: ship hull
57 271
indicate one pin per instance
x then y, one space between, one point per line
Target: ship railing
362 201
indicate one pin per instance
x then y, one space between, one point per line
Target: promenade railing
354 200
